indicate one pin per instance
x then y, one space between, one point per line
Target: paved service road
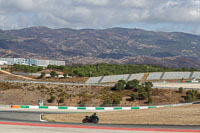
155 84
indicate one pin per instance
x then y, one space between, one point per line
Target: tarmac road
155 84
32 117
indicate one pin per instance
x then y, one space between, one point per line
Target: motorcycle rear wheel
84 121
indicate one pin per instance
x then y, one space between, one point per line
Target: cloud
197 31
91 2
98 13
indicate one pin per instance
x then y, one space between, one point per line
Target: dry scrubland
29 94
181 115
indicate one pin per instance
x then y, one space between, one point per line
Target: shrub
134 96
80 74
107 102
120 85
61 100
180 90
76 72
148 94
116 101
150 100
64 75
53 74
142 95
148 84
191 96
52 99
71 74
81 103
122 81
42 74
198 96
132 84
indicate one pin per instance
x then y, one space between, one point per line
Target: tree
53 74
198 96
122 81
80 74
180 90
148 84
133 84
142 95
119 86
71 74
76 72
191 95
64 75
134 96
150 100
43 74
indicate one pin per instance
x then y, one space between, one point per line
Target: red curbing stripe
96 127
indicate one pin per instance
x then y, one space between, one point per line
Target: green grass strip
99 108
24 106
43 107
62 107
83 108
135 107
117 108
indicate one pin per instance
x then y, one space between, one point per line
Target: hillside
74 95
114 45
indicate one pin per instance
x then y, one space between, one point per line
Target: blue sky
157 15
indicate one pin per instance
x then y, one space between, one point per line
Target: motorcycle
91 119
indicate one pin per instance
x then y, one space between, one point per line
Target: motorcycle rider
94 116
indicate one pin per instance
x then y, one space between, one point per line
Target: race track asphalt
34 117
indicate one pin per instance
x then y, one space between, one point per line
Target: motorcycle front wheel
96 121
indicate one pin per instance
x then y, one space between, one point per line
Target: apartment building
30 62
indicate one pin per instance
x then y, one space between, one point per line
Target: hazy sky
158 15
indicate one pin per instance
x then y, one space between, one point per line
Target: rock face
115 45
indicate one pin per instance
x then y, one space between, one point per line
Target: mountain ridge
112 45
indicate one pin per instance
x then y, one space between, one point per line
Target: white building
3 62
30 62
